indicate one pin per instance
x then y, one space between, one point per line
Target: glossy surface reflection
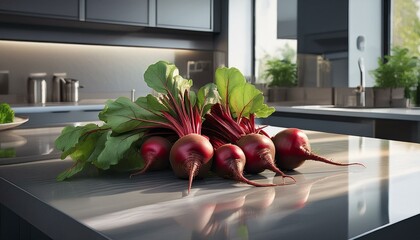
327 202
28 145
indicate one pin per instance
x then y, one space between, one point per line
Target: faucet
360 90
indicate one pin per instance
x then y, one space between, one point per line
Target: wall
104 71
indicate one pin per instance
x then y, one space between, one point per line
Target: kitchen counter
406 114
367 122
59 113
84 105
327 202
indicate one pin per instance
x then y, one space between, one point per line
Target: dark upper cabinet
66 9
127 12
187 14
193 15
322 26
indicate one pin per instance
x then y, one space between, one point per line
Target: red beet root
155 153
293 149
229 162
191 156
259 152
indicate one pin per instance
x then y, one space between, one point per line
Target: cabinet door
68 9
185 14
129 12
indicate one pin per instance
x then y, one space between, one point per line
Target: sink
354 107
357 107
369 107
333 106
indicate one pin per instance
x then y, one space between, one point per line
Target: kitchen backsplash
103 71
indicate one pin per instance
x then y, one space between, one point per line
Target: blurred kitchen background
332 43
108 45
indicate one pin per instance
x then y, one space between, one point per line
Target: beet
191 156
229 162
155 154
293 149
259 151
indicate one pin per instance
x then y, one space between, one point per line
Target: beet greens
175 108
233 121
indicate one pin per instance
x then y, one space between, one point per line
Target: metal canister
71 90
37 88
57 83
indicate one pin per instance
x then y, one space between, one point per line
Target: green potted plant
395 76
280 73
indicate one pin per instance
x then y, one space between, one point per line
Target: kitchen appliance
37 88
65 89
70 90
58 78
360 92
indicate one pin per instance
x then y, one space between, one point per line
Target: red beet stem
315 157
238 176
266 156
141 171
192 168
148 161
243 179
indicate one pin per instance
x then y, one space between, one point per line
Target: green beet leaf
241 97
151 103
264 110
115 148
76 168
123 115
70 136
83 144
164 78
227 79
207 95
181 84
99 143
132 160
159 76
249 100
84 148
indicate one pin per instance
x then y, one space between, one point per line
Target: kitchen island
379 201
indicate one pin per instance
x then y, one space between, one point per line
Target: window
275 34
405 25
